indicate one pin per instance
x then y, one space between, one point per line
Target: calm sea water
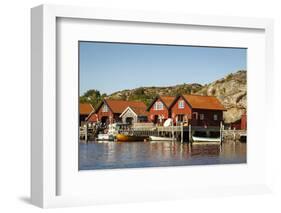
113 155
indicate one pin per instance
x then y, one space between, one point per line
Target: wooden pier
176 133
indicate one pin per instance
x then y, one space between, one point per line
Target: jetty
182 133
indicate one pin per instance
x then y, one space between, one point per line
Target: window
195 115
215 117
181 104
155 106
201 116
142 119
158 105
180 118
104 108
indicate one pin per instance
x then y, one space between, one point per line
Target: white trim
104 107
92 112
182 104
128 108
43 120
156 105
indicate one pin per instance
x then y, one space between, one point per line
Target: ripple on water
112 155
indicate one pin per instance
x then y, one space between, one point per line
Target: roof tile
168 100
204 102
118 106
86 108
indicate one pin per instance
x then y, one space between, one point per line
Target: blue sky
110 67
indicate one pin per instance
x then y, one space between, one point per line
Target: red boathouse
241 123
197 110
159 109
85 109
109 110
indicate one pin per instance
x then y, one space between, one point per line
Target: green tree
93 97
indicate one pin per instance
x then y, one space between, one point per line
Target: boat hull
105 137
156 138
205 140
243 138
130 138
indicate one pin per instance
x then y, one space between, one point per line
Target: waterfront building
133 114
244 121
85 110
159 109
240 124
197 110
109 110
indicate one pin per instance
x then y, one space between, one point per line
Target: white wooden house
133 115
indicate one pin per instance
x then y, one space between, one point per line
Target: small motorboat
130 138
105 137
205 140
157 138
110 133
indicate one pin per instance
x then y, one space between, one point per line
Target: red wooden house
159 109
109 110
241 123
197 110
84 111
244 121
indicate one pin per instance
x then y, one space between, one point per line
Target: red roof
85 108
141 110
203 102
118 106
167 100
92 117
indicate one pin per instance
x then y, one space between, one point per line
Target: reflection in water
109 155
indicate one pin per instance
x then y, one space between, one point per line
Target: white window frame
181 104
201 116
105 108
216 117
158 105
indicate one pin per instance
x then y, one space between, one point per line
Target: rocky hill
230 90
147 94
232 93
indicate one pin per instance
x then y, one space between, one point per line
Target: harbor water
116 155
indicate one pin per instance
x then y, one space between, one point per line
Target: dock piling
189 133
181 132
86 133
221 132
173 133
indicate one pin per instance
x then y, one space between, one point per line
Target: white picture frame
45 174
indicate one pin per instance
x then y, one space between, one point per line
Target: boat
105 137
157 138
206 140
168 122
110 134
130 138
243 137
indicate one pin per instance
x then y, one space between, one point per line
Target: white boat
112 132
168 122
105 137
206 140
157 138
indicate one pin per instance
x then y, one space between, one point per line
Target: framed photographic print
130 106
